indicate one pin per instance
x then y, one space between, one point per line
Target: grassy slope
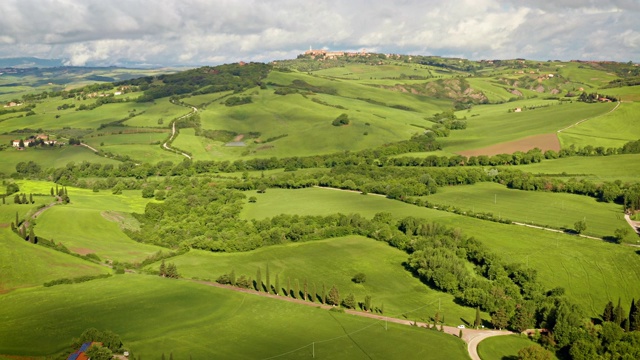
553 209
593 272
49 157
495 124
150 314
611 130
335 262
23 264
599 168
69 224
503 347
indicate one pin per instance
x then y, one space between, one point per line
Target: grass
610 130
503 347
92 223
23 264
556 210
150 313
592 271
335 262
47 157
493 124
597 168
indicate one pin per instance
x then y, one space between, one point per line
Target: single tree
305 287
359 278
460 334
253 199
232 277
268 280
367 303
349 302
16 199
323 296
31 198
500 319
618 313
277 289
32 235
580 226
288 286
314 293
296 289
52 191
163 269
258 282
607 315
478 321
17 220
334 296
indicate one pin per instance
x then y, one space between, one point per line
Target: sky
211 32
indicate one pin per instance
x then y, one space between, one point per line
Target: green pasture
201 100
624 93
503 347
599 168
376 72
556 210
92 223
335 262
105 142
49 157
23 264
592 271
161 109
613 129
200 147
587 77
492 127
150 313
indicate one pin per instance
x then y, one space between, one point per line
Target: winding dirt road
471 336
173 133
583 120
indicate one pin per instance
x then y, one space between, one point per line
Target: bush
341 120
359 278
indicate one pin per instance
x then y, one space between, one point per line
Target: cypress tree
277 289
268 280
478 321
634 320
632 311
3 201
324 294
305 297
258 282
232 277
382 308
334 296
367 303
163 268
296 289
31 198
460 334
24 198
57 191
32 236
52 191
16 199
618 313
314 293
288 286
17 220
607 315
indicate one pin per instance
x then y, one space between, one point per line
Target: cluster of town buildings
329 55
34 140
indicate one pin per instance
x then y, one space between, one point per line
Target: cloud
194 32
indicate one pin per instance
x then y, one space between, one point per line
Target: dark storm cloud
209 32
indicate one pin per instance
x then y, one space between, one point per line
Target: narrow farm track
173 133
583 120
471 336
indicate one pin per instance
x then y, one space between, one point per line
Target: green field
493 124
598 168
592 271
96 226
556 210
610 130
49 157
503 347
152 313
23 264
335 262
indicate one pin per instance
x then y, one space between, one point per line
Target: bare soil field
544 142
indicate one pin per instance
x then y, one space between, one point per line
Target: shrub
359 278
343 119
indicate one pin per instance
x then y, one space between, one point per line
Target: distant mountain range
32 62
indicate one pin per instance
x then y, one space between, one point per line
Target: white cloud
208 31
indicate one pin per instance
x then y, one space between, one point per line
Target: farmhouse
12 104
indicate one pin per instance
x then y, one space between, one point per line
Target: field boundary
470 336
583 120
